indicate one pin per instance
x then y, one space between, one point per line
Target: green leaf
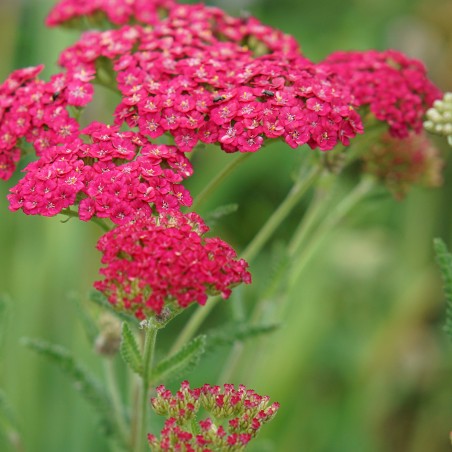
212 217
444 259
8 419
228 334
181 362
102 301
84 382
130 351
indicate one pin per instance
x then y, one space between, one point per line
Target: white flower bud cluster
439 117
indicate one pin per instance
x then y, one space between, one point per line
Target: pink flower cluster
35 111
243 410
154 261
393 86
112 174
400 164
186 81
118 12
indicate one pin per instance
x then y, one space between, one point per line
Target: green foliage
8 419
168 369
102 301
89 325
130 351
444 259
212 217
84 382
236 331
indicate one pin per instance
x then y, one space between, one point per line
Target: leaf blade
130 351
180 362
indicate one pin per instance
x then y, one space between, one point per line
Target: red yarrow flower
239 417
154 261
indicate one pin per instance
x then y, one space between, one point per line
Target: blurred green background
361 363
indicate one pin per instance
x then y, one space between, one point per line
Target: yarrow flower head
439 117
118 12
394 87
156 261
108 174
239 414
400 164
35 111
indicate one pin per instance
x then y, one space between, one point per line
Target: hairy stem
298 190
148 355
218 179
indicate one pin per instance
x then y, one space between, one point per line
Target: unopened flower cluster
439 117
400 164
238 415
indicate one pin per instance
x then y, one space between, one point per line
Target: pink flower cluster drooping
393 86
35 111
155 261
400 164
242 412
111 174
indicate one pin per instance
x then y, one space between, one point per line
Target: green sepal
168 369
84 382
444 259
130 351
237 331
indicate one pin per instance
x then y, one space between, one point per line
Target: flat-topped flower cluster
184 74
157 260
241 410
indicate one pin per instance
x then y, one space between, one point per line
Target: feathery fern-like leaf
231 332
130 351
212 217
9 424
84 382
102 301
444 259
181 362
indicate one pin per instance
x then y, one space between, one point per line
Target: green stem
317 207
101 223
293 197
295 194
148 355
303 250
218 179
116 398
194 323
